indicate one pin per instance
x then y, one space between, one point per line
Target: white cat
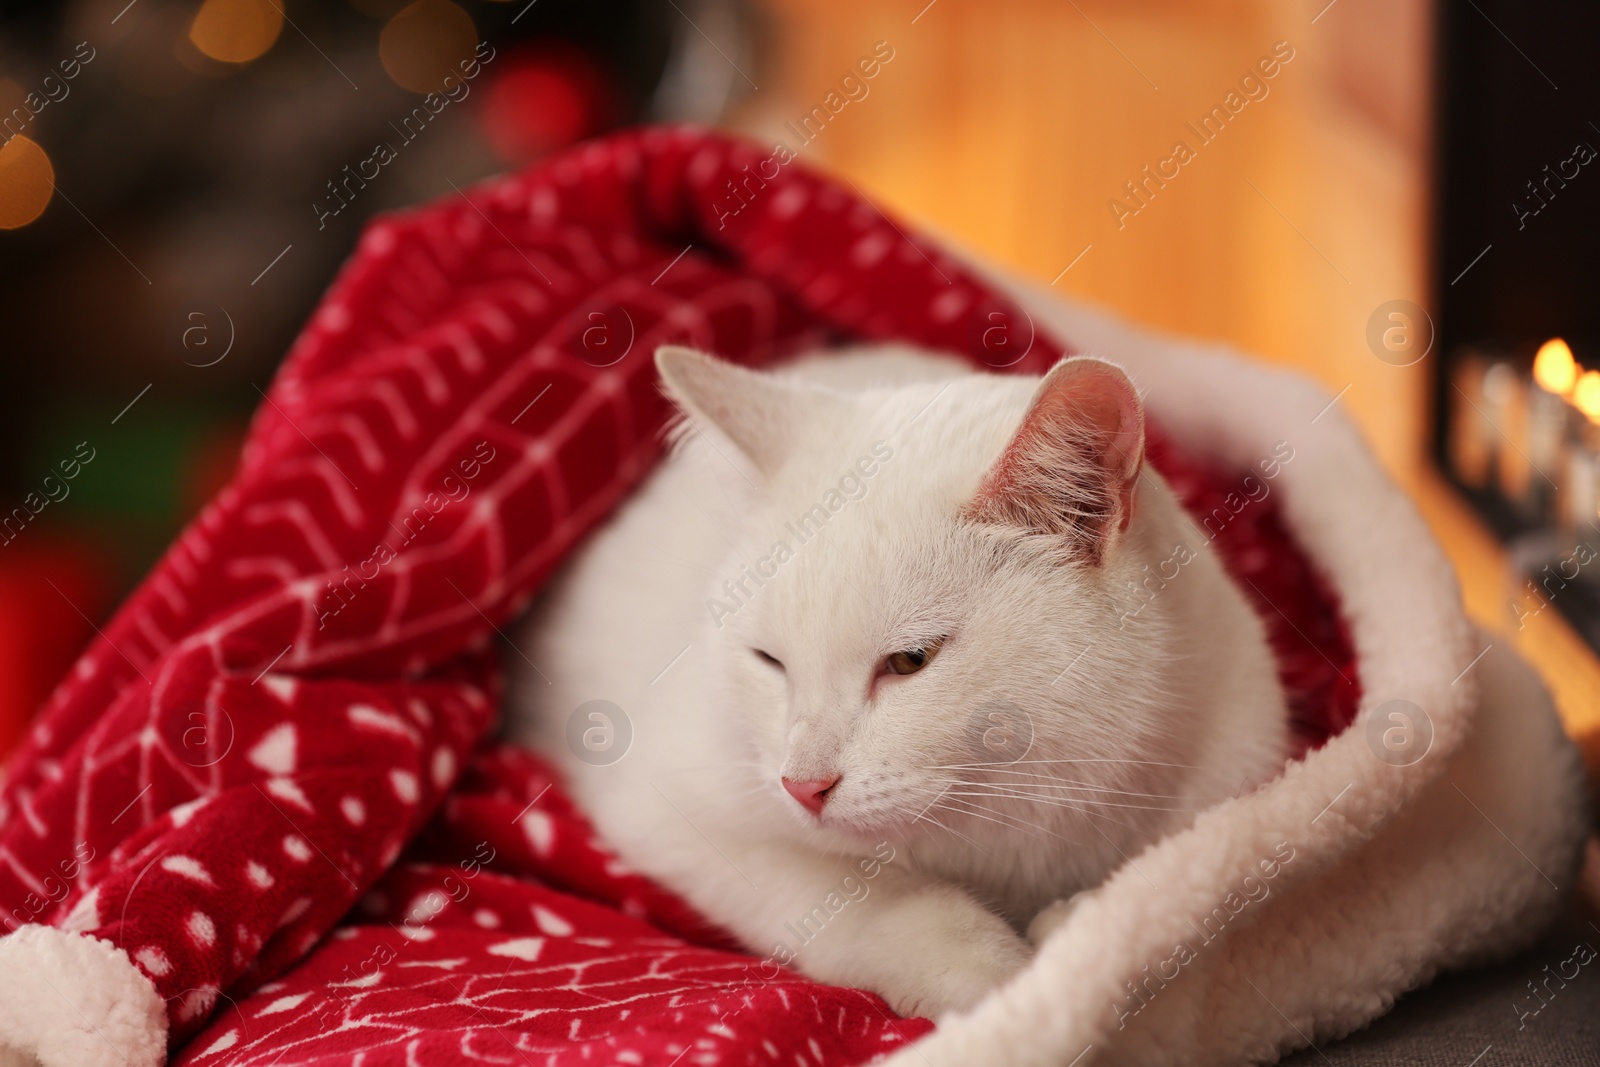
904 656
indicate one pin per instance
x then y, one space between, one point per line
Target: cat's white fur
1138 700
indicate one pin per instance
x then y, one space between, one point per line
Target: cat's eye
911 660
767 657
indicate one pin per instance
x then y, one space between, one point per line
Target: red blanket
268 782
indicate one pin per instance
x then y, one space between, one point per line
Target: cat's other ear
758 414
1072 467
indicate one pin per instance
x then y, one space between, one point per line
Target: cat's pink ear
1072 467
758 414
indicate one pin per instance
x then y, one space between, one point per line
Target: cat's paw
953 976
1053 916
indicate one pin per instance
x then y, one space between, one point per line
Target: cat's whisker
925 817
1068 803
937 803
1013 821
1072 802
1054 783
978 811
1003 774
1019 762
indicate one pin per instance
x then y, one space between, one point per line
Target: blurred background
1395 196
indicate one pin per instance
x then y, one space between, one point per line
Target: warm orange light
27 182
1587 395
236 31
425 43
1554 368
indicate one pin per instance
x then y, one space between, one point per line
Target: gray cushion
1475 1019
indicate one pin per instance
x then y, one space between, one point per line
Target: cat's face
916 631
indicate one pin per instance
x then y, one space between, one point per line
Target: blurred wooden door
1013 126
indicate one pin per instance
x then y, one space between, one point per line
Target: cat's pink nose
812 794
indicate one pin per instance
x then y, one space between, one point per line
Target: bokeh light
548 97
27 182
425 43
1554 368
1587 395
236 31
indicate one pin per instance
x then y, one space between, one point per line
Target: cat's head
919 625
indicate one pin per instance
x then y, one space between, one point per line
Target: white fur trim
71 1000
1400 871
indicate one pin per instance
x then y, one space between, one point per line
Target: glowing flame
1587 395
1555 369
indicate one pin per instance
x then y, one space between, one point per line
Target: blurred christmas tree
178 183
